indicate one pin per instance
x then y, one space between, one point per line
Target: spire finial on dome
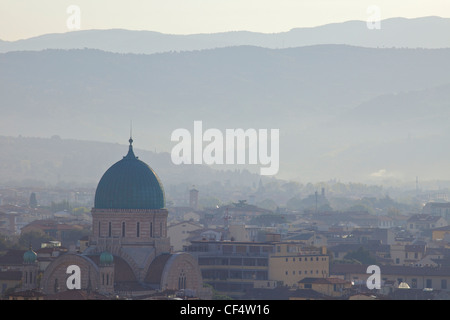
130 154
131 133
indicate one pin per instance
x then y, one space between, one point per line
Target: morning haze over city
234 152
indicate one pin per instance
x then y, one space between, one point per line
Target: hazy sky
21 19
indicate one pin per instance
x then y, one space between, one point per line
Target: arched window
137 229
109 229
151 229
182 280
123 229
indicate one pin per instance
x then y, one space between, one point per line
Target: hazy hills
427 32
343 112
69 163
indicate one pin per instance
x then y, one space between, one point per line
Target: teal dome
129 184
29 256
106 258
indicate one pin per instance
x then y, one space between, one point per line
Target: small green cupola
106 258
29 257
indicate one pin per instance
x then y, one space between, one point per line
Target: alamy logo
374 281
231 148
374 20
74 20
74 280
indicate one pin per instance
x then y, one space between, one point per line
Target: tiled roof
445 228
283 293
423 218
27 294
75 295
11 275
12 257
324 281
391 270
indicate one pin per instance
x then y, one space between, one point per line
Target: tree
33 201
60 206
33 238
268 220
268 204
361 255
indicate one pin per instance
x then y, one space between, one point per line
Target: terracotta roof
415 248
423 218
27 294
438 204
12 257
324 281
76 295
283 293
391 270
126 286
445 228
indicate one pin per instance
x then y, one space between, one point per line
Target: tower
30 270
106 273
193 198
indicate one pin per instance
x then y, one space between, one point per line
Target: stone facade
118 227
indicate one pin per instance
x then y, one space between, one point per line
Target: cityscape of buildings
237 250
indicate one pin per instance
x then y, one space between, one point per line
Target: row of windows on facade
306 272
260 262
138 229
414 282
255 275
234 274
250 261
428 283
306 259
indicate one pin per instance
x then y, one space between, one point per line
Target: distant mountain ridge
343 112
33 161
426 32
